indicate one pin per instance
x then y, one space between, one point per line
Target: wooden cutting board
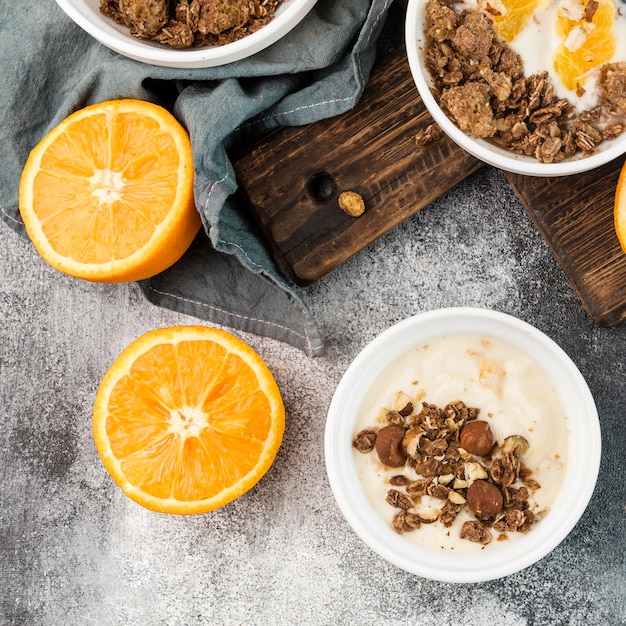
575 216
293 177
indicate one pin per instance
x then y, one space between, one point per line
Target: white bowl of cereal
462 445
206 34
526 98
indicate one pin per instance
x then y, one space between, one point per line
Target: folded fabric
52 68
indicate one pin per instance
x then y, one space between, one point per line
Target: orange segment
107 195
187 419
511 15
584 45
620 208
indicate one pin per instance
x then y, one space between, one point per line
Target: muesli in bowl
536 87
187 33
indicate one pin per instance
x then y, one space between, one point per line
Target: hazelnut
514 441
484 499
477 438
389 445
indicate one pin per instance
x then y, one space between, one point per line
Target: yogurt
514 396
538 41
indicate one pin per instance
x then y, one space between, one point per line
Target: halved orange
187 419
517 13
620 208
107 195
594 46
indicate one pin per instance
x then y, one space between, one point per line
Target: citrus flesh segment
620 209
107 195
187 419
584 45
512 16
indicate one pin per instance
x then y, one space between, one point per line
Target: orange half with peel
107 195
619 212
187 419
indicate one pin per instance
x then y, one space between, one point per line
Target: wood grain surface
372 151
575 216
293 178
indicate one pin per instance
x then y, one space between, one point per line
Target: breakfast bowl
417 500
87 15
490 151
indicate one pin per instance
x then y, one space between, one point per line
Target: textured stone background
75 551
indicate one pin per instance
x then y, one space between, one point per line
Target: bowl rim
114 36
480 148
578 482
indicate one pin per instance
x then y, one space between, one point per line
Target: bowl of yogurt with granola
462 445
187 33
534 87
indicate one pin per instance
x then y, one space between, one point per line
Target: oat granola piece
365 441
399 500
144 18
473 38
612 87
351 203
176 34
475 531
405 521
428 135
441 21
217 16
469 106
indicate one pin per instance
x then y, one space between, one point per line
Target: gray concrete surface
75 551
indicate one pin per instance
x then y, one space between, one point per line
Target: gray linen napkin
50 68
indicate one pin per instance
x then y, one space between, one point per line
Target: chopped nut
351 203
445 479
512 442
393 417
403 404
389 445
474 471
456 498
411 441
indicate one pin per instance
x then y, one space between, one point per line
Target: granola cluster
189 23
447 454
479 82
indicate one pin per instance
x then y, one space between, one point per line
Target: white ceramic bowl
87 15
583 447
481 149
